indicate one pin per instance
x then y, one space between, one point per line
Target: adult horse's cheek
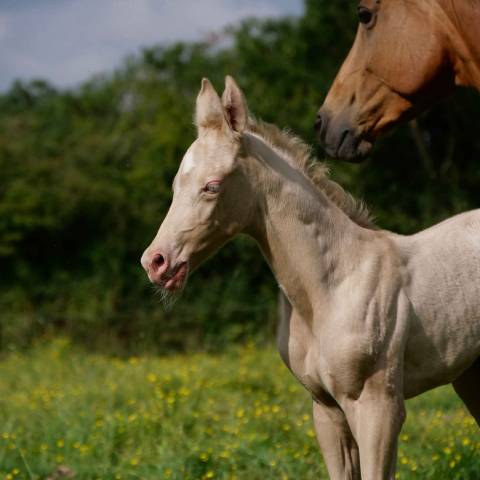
399 109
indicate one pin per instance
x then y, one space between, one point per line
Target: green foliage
238 415
85 182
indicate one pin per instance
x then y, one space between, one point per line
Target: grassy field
240 415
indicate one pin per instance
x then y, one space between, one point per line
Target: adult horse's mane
300 157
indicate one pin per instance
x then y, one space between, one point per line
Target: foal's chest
325 361
301 352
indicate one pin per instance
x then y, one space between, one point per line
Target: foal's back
442 280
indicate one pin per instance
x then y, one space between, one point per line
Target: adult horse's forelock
399 64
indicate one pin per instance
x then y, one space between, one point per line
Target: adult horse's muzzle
339 138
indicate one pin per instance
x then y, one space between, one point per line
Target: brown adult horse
406 55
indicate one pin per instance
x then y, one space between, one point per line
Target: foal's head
398 65
212 199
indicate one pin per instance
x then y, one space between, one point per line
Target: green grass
236 415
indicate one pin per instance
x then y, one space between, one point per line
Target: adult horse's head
211 197
398 65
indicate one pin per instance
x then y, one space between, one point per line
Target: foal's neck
310 244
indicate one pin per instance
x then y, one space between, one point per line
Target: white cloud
69 40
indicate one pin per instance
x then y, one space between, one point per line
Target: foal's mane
300 156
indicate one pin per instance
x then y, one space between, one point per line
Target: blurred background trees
85 182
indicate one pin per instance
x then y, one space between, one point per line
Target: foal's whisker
168 298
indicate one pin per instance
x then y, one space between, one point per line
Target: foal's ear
209 112
235 105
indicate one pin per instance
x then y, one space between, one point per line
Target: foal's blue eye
212 187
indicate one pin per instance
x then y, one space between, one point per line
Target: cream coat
369 318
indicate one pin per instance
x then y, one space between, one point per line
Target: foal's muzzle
163 272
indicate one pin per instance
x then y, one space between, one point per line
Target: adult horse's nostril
321 125
318 122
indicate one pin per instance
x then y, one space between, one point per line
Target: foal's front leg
376 419
338 446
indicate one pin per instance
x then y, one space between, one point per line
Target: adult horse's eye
212 187
365 15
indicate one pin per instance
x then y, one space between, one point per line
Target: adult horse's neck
310 243
463 34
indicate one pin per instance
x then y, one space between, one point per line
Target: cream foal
372 317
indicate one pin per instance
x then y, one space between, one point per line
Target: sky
68 41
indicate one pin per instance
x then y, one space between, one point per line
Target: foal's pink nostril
156 265
158 261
